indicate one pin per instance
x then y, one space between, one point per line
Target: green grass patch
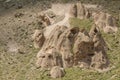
82 24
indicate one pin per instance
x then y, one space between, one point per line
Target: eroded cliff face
68 47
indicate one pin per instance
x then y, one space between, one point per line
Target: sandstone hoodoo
83 49
67 47
49 60
64 47
78 10
105 22
82 11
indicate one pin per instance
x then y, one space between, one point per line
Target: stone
83 49
49 60
105 22
44 19
38 38
70 46
82 11
73 10
60 40
65 44
100 59
57 72
78 10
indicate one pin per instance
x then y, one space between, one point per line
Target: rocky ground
18 55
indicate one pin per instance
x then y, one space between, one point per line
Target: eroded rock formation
73 10
60 40
67 47
105 22
99 60
79 11
83 49
38 38
82 11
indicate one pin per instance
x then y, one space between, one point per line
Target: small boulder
65 45
18 15
57 72
44 19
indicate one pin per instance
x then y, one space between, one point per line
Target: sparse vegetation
16 66
82 24
21 66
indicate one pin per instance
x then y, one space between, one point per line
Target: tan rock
44 19
73 10
52 40
73 47
49 60
38 38
57 72
99 60
83 49
60 40
82 11
65 44
105 22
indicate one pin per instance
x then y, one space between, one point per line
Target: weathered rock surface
105 22
60 40
38 38
80 11
83 49
99 60
67 47
44 19
65 44
49 60
73 10
57 72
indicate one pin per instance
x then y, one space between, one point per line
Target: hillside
17 52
